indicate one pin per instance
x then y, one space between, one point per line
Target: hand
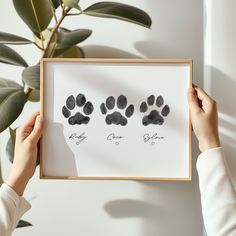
204 118
25 157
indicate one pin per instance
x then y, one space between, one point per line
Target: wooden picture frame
83 101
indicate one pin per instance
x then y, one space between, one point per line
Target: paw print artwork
85 109
158 112
116 117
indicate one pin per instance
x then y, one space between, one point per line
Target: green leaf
11 145
37 14
56 3
12 135
13 39
31 76
119 11
1 179
67 39
72 4
42 42
9 56
72 52
23 223
12 100
34 95
6 83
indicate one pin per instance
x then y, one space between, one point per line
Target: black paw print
116 117
78 118
154 117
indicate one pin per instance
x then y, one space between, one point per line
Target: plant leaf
119 11
12 135
36 14
45 36
23 223
6 83
30 76
34 95
72 4
68 39
12 100
13 39
11 145
9 56
56 3
50 50
1 179
72 52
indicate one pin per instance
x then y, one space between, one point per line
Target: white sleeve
12 207
218 196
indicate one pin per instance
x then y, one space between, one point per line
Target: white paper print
116 120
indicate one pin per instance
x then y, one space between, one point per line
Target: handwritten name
112 136
147 137
78 138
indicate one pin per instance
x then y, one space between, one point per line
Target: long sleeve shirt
218 196
12 207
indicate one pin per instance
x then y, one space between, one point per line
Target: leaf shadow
101 51
219 83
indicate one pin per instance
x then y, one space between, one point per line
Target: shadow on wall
154 48
129 208
54 164
165 50
157 216
54 161
223 89
99 51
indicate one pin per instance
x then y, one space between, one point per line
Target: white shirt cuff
19 201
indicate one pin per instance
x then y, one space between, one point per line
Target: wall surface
220 70
129 208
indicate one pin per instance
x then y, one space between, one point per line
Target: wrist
209 144
17 183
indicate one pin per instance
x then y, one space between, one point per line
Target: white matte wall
127 208
220 70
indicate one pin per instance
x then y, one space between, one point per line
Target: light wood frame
99 60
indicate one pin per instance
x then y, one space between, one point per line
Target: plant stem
54 30
74 14
38 46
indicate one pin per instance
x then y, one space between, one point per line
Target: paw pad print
80 117
116 117
154 117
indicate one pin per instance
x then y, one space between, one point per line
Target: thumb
193 101
37 130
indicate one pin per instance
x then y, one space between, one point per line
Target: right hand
25 158
204 118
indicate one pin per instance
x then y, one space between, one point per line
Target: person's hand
204 118
25 158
